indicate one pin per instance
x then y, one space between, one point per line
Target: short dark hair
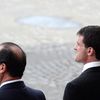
91 38
14 58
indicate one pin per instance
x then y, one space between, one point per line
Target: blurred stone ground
50 67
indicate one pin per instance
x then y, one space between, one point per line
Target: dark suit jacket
18 91
84 87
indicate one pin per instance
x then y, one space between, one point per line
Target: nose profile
75 47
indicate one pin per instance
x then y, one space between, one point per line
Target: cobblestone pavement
50 67
49 51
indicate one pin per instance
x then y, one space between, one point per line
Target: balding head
13 57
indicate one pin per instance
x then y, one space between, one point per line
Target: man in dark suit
87 85
12 66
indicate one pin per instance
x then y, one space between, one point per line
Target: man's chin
77 60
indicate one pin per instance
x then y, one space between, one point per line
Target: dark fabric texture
18 91
84 87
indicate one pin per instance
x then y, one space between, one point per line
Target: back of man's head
14 58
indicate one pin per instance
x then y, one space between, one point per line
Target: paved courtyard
50 54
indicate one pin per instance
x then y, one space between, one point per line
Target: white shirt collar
91 64
11 81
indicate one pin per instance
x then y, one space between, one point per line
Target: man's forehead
79 37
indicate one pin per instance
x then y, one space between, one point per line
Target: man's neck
6 77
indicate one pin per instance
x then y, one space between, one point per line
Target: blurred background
46 30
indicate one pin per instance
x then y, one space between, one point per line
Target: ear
90 51
2 68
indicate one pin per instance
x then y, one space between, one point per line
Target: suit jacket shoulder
84 87
19 91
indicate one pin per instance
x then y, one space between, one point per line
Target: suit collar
10 81
90 65
17 84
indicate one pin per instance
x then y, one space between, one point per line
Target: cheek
79 48
83 54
